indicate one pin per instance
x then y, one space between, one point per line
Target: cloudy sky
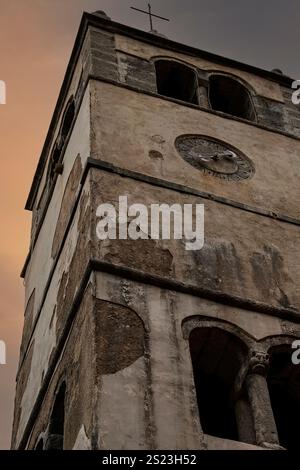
36 37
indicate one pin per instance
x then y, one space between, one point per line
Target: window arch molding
197 321
265 345
233 76
242 106
278 341
168 58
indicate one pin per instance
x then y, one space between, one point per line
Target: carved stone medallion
214 157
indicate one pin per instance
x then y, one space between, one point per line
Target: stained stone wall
244 255
147 123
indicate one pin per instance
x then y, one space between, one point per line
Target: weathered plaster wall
128 371
171 396
244 254
145 123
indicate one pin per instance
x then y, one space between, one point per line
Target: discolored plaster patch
120 337
155 155
140 254
136 254
218 265
270 275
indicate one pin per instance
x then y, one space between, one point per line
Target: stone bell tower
141 344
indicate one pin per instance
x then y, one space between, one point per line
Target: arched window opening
176 80
230 97
216 357
55 439
67 120
284 388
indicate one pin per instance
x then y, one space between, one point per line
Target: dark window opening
55 439
67 120
284 388
176 80
230 97
54 160
216 357
40 445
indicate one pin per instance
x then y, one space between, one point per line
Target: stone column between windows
203 87
259 399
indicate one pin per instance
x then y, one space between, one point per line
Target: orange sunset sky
36 38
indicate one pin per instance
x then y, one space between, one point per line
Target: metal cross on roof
151 15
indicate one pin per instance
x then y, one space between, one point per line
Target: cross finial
151 15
